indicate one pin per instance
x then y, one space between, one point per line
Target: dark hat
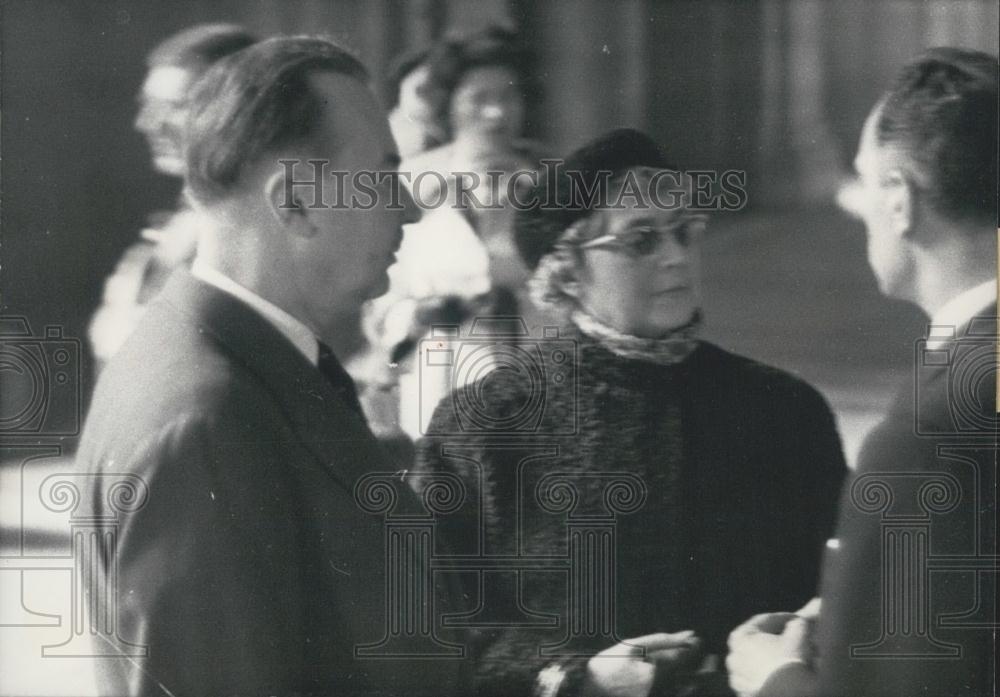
561 200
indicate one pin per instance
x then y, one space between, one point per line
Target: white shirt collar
958 311
294 330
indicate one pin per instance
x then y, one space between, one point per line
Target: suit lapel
323 422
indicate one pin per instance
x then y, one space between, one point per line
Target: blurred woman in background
169 240
411 106
459 260
481 87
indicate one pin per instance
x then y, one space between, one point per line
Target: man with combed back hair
909 591
252 569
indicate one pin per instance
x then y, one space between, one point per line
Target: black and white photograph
499 348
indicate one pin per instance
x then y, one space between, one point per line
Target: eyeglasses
645 240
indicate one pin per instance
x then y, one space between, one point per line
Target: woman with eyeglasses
631 492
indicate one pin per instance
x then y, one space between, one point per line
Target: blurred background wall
778 88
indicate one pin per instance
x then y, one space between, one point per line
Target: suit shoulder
193 374
145 393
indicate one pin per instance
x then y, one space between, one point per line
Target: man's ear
570 282
899 201
286 207
571 287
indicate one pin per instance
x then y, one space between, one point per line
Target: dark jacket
728 476
251 569
909 598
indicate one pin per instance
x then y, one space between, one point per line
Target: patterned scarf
668 350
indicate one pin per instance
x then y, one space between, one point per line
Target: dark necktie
338 378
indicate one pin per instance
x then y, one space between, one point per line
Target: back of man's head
941 114
198 47
255 102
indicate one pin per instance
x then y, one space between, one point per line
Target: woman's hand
628 669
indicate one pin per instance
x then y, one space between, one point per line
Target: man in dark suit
909 592
252 568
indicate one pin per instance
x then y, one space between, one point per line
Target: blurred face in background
641 268
487 105
162 113
411 120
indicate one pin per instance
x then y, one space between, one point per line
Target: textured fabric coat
728 473
251 569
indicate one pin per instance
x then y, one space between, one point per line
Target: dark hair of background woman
451 60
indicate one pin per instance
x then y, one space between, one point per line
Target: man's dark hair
942 113
254 101
198 47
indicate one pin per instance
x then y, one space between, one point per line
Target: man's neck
255 271
945 273
244 268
